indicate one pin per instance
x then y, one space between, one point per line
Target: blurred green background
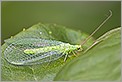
78 15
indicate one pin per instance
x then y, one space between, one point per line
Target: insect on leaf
30 51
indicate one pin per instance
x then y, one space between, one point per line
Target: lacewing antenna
97 28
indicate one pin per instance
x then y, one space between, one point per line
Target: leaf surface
101 62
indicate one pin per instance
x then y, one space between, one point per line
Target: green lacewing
31 51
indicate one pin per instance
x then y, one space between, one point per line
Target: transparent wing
14 53
36 42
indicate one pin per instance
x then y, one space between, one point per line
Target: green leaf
44 71
102 62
